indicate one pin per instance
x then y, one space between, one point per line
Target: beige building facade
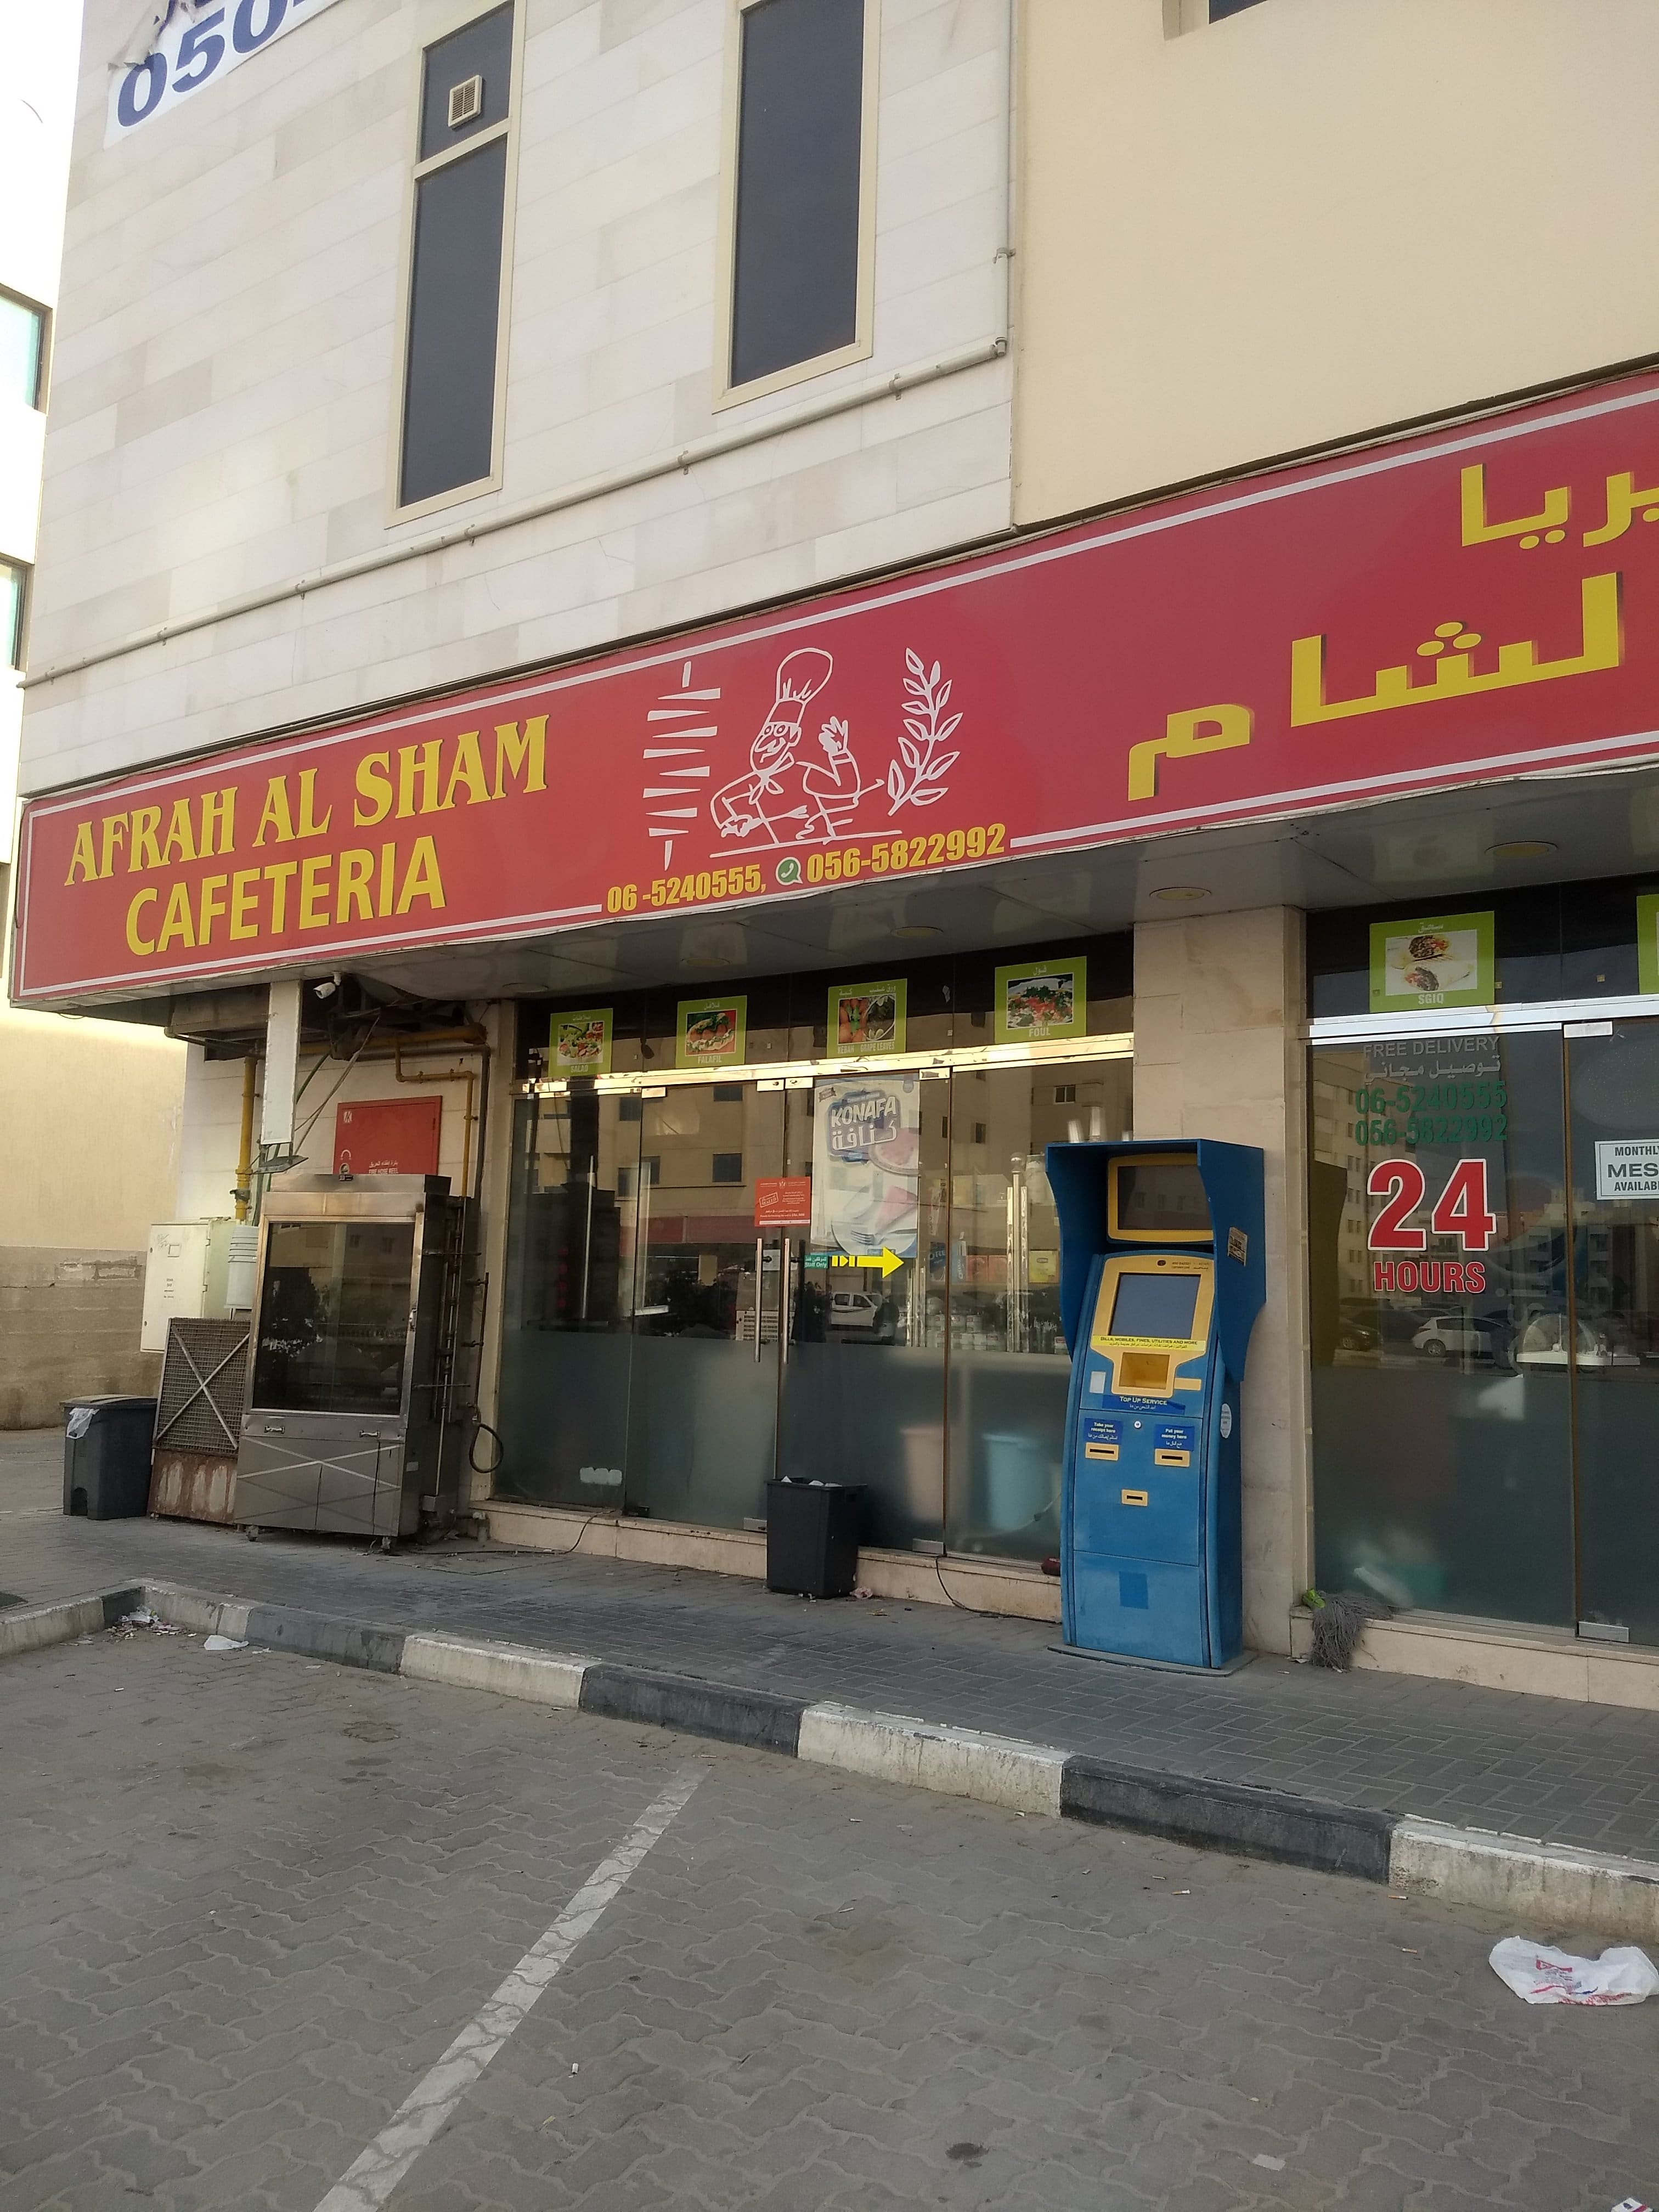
90 1111
935 517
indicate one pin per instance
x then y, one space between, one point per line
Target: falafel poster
1477 602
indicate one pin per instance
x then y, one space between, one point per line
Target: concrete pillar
281 1066
1219 1000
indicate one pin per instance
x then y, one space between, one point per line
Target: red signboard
1480 602
387 1136
783 1202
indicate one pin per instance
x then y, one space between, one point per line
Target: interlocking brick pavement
245 1900
1568 1773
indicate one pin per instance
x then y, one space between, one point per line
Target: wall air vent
465 101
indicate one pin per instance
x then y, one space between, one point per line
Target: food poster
1041 998
866 1161
865 1018
1440 960
1647 941
711 1032
581 1044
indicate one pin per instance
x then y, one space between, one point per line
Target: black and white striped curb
1548 1884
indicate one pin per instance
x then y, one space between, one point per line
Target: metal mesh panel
203 1387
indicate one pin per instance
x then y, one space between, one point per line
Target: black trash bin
812 1537
107 1453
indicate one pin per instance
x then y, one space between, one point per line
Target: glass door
863 1380
705 1295
1612 1327
567 1331
1009 1368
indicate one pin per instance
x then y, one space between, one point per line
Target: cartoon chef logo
788 794
798 790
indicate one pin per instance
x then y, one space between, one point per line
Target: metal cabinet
352 1425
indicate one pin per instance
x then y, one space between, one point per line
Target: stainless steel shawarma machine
354 1424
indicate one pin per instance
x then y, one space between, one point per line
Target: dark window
14 589
1220 8
795 272
728 1167
334 1317
455 270
484 50
22 350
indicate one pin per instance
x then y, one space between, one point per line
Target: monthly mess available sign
1477 602
1628 1167
195 46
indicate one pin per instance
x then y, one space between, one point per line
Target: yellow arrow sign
887 1260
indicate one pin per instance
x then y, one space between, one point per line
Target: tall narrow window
449 426
13 591
22 350
800 247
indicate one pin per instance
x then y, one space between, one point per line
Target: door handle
783 1300
759 1244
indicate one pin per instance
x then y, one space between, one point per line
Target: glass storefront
663 1354
1442 1451
1484 1233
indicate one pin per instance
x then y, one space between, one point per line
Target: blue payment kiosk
1161 1278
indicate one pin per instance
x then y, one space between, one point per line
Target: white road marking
372 2177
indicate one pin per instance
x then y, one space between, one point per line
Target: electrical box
184 1276
388 1136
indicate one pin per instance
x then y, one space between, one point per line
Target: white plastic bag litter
1623 1976
79 1422
223 1644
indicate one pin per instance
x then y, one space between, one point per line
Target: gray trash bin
106 1454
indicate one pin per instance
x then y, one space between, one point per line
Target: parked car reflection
1445 1336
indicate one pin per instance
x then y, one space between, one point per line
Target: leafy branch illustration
917 777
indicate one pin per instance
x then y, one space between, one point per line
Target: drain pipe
243 1190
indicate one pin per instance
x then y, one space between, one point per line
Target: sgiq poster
866 1017
1439 960
1036 1000
711 1032
581 1042
867 1159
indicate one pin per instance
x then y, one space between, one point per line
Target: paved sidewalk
1567 1773
247 1902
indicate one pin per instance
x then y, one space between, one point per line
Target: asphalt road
246 1903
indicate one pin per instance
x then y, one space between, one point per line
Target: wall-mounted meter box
1161 1276
184 1276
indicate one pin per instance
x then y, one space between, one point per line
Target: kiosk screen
1161 1198
1154 1305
